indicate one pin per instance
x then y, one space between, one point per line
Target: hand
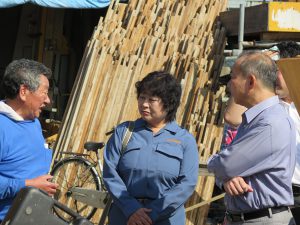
140 217
237 186
43 183
272 54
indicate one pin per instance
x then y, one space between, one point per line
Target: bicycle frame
100 167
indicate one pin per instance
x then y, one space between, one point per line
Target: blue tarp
81 4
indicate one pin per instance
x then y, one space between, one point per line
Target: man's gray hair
261 66
23 72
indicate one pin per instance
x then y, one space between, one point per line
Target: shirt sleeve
9 187
112 179
179 193
247 155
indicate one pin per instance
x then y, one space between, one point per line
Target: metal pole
241 26
105 211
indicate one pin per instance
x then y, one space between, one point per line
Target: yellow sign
284 16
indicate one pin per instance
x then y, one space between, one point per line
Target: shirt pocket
130 157
169 157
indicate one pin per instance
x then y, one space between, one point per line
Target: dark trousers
296 209
296 214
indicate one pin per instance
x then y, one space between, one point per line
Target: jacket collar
171 126
9 112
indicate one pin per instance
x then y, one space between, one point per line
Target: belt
237 217
144 200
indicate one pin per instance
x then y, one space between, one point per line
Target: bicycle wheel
74 172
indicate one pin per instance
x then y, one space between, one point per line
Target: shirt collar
171 126
140 123
251 113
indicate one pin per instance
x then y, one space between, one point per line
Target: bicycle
86 192
81 186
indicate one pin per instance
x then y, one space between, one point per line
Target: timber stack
179 36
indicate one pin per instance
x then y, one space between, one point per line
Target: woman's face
152 110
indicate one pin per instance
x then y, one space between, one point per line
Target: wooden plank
280 36
205 202
290 68
256 20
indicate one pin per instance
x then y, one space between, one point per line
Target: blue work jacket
156 171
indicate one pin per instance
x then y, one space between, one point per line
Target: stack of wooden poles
179 36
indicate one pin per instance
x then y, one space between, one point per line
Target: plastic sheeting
81 4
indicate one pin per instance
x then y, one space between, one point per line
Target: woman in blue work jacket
158 170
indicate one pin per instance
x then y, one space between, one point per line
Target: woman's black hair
288 49
165 86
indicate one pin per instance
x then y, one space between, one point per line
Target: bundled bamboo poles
179 36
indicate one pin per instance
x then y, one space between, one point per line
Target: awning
81 4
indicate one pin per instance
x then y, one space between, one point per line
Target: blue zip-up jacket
22 156
160 168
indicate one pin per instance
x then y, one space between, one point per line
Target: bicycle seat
93 146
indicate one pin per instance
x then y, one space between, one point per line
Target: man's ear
279 75
251 81
23 92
